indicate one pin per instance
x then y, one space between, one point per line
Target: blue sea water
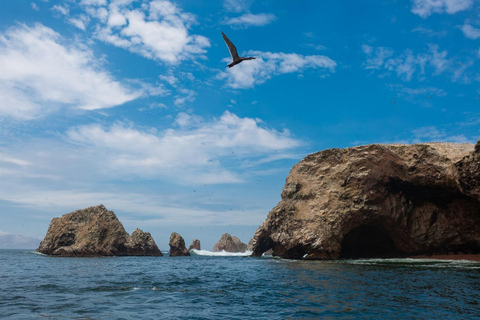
34 286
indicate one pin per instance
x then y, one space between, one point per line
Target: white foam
36 252
221 253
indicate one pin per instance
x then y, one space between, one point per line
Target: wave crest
221 253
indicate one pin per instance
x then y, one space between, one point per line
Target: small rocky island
378 201
195 245
177 246
92 232
228 243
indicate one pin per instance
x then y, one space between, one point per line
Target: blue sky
130 104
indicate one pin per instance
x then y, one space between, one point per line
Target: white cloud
433 134
157 30
425 8
35 6
170 79
237 5
407 64
40 74
430 32
250 73
250 19
61 9
79 23
191 153
184 96
421 91
470 32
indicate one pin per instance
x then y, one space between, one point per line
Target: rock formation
195 245
95 231
250 245
228 243
177 246
378 201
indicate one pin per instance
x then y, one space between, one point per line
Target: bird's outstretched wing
231 48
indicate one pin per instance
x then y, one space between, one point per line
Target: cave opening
368 242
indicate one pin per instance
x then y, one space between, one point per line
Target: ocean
207 286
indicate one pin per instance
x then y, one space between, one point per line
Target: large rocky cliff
95 231
378 201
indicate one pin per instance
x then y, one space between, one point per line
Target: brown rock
195 245
228 243
95 231
378 201
250 245
177 246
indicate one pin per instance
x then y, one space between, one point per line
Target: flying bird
233 52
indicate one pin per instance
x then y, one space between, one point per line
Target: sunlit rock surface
95 231
378 201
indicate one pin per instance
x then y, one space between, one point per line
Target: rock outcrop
250 245
95 231
228 243
195 245
177 246
378 201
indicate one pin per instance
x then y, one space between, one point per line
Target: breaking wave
221 253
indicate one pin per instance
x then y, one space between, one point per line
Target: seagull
233 52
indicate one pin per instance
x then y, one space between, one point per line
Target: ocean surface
203 286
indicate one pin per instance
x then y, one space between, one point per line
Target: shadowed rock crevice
368 241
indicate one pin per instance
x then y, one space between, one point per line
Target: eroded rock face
228 243
250 245
95 231
177 246
195 245
377 201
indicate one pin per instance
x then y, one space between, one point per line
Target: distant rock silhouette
177 246
228 243
16 241
195 245
95 231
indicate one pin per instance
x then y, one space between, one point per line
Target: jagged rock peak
195 245
177 246
228 243
94 231
377 201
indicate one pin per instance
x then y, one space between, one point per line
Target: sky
130 104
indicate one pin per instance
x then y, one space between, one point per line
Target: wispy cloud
41 73
189 153
268 64
184 96
409 64
247 18
421 91
237 5
470 32
61 9
250 19
157 30
425 8
434 134
430 32
34 6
